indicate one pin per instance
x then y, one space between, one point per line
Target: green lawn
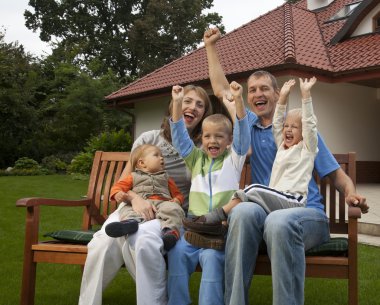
59 284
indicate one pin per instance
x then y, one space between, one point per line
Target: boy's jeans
287 233
182 261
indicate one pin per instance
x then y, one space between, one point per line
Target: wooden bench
106 169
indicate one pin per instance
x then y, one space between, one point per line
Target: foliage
55 104
25 167
81 163
26 163
130 37
106 141
50 106
54 164
110 141
25 172
19 101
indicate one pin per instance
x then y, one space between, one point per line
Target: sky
235 13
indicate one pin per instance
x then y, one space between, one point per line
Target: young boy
151 182
297 144
216 170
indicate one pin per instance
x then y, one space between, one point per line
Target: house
338 41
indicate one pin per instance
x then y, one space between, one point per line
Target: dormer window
345 11
376 22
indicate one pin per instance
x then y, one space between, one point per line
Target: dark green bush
110 141
25 163
106 141
54 164
25 167
81 163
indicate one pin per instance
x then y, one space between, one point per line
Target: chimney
316 4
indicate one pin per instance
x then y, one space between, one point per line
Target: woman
142 253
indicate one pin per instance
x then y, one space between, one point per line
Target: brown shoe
199 225
205 241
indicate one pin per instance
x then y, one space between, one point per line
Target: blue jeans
288 233
182 261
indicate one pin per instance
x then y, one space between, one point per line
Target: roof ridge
289 45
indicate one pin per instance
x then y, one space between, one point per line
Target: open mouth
288 138
188 117
260 104
214 150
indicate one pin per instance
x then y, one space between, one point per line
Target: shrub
81 163
106 141
25 163
54 164
110 141
25 167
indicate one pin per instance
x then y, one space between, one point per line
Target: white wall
315 4
366 25
149 114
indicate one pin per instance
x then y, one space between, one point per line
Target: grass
60 284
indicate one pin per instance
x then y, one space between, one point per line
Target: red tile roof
288 37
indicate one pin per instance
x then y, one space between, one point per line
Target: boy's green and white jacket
213 181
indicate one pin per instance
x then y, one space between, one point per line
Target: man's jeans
288 233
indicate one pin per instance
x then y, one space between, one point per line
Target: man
288 233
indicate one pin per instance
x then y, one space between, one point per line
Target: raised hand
211 36
177 96
237 93
177 93
285 90
236 89
306 85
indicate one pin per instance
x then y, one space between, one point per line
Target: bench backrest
107 168
334 201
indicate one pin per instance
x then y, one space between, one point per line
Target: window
376 22
345 11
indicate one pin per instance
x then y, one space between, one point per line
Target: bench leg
28 285
353 288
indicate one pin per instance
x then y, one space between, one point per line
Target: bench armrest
32 202
354 212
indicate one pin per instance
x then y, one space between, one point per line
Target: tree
73 109
50 106
20 98
131 37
